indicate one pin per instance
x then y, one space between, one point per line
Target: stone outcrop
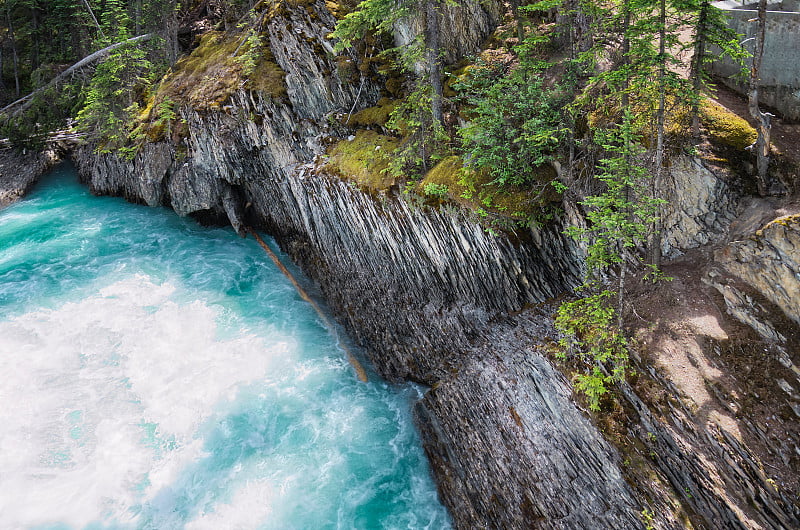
769 261
19 172
688 218
759 279
516 415
464 27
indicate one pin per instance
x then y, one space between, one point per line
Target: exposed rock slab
504 440
688 218
769 261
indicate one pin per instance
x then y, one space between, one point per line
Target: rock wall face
19 172
521 455
770 262
415 285
464 26
759 279
698 208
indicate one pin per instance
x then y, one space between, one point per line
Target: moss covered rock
726 127
476 190
363 159
377 115
208 76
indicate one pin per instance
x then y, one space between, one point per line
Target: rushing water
157 374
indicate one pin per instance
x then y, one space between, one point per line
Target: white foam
250 506
82 381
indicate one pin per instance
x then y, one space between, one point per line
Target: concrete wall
779 85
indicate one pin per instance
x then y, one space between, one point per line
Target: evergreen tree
420 116
712 38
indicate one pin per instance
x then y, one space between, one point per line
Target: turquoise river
159 374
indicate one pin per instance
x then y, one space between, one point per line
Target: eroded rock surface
698 208
769 261
19 172
518 425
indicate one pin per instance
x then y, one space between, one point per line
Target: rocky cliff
433 297
19 171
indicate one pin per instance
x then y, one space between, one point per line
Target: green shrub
592 339
436 190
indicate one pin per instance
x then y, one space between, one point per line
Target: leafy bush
436 190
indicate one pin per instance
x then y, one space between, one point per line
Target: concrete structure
779 85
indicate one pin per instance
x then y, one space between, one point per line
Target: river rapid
159 374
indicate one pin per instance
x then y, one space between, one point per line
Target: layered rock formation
433 297
770 262
698 208
19 171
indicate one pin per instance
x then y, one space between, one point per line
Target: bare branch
25 102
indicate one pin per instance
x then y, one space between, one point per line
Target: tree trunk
14 56
137 16
625 50
625 104
35 45
655 244
620 293
518 17
697 65
2 83
762 118
433 52
96 23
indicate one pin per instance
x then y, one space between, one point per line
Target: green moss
446 173
268 78
457 76
394 86
726 127
207 77
341 8
377 115
363 159
476 191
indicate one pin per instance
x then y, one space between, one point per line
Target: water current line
360 372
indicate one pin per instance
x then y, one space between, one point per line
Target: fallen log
26 101
360 372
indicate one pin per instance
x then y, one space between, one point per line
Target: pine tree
711 32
